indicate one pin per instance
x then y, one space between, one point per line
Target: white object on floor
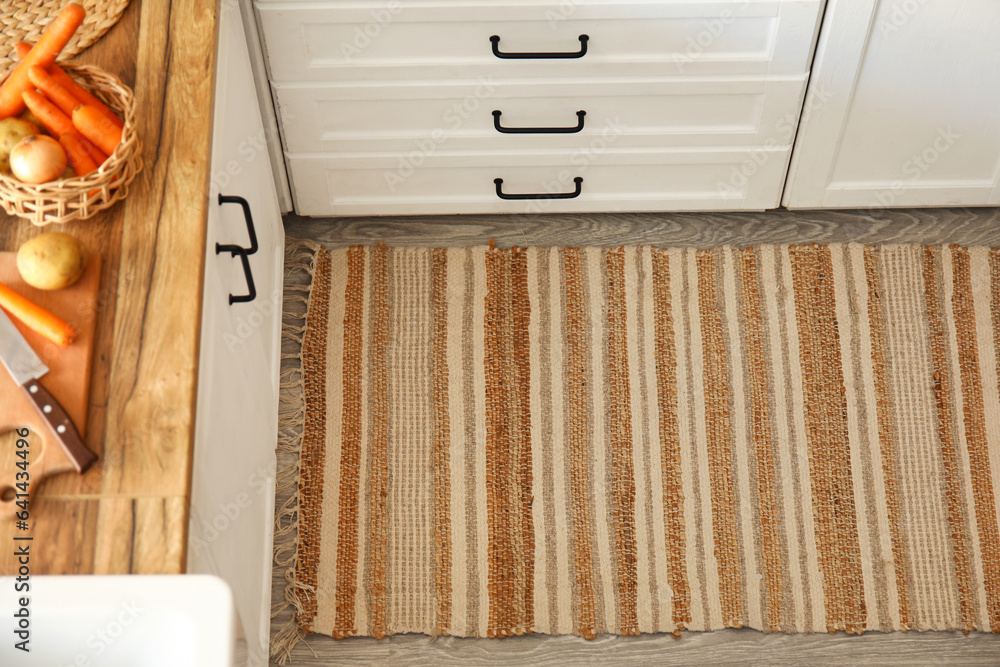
117 621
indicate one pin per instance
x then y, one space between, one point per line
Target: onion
37 159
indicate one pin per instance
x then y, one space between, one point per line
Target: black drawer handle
539 130
575 54
242 252
225 199
558 195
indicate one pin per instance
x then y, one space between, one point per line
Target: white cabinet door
232 486
902 107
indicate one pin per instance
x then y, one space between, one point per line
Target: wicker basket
81 197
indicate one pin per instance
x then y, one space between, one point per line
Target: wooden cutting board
68 379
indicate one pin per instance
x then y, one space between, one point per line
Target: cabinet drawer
613 180
461 115
361 41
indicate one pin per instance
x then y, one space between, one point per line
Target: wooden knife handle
60 424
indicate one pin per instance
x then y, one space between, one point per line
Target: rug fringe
299 266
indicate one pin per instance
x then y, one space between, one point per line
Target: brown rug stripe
620 428
498 449
886 434
313 452
379 480
753 323
975 431
717 421
578 436
350 456
442 443
521 305
670 446
959 531
826 428
490 433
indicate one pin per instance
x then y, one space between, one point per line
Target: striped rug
636 440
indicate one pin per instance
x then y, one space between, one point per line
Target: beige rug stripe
461 503
986 294
921 491
786 470
812 575
326 580
541 439
479 444
566 619
663 469
947 377
877 503
979 485
847 310
890 518
621 440
442 445
410 543
702 572
646 584
601 490
744 456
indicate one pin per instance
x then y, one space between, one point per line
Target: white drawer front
393 40
460 116
613 180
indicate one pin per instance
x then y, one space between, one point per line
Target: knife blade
26 367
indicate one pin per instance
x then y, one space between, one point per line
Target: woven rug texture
638 440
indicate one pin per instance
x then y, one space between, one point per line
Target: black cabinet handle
243 253
539 130
226 199
545 195
575 54
251 289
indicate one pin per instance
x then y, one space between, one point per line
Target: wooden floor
724 647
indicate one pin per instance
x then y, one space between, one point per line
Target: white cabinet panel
613 180
451 39
902 107
460 115
232 486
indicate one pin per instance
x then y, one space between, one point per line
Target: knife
26 367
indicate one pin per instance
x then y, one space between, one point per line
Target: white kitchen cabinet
232 487
903 107
405 108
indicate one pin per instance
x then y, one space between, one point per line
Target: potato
12 130
52 260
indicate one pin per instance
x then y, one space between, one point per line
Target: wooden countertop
129 513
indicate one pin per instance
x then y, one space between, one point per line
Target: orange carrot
78 156
94 125
43 54
54 121
95 153
58 95
36 318
60 76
